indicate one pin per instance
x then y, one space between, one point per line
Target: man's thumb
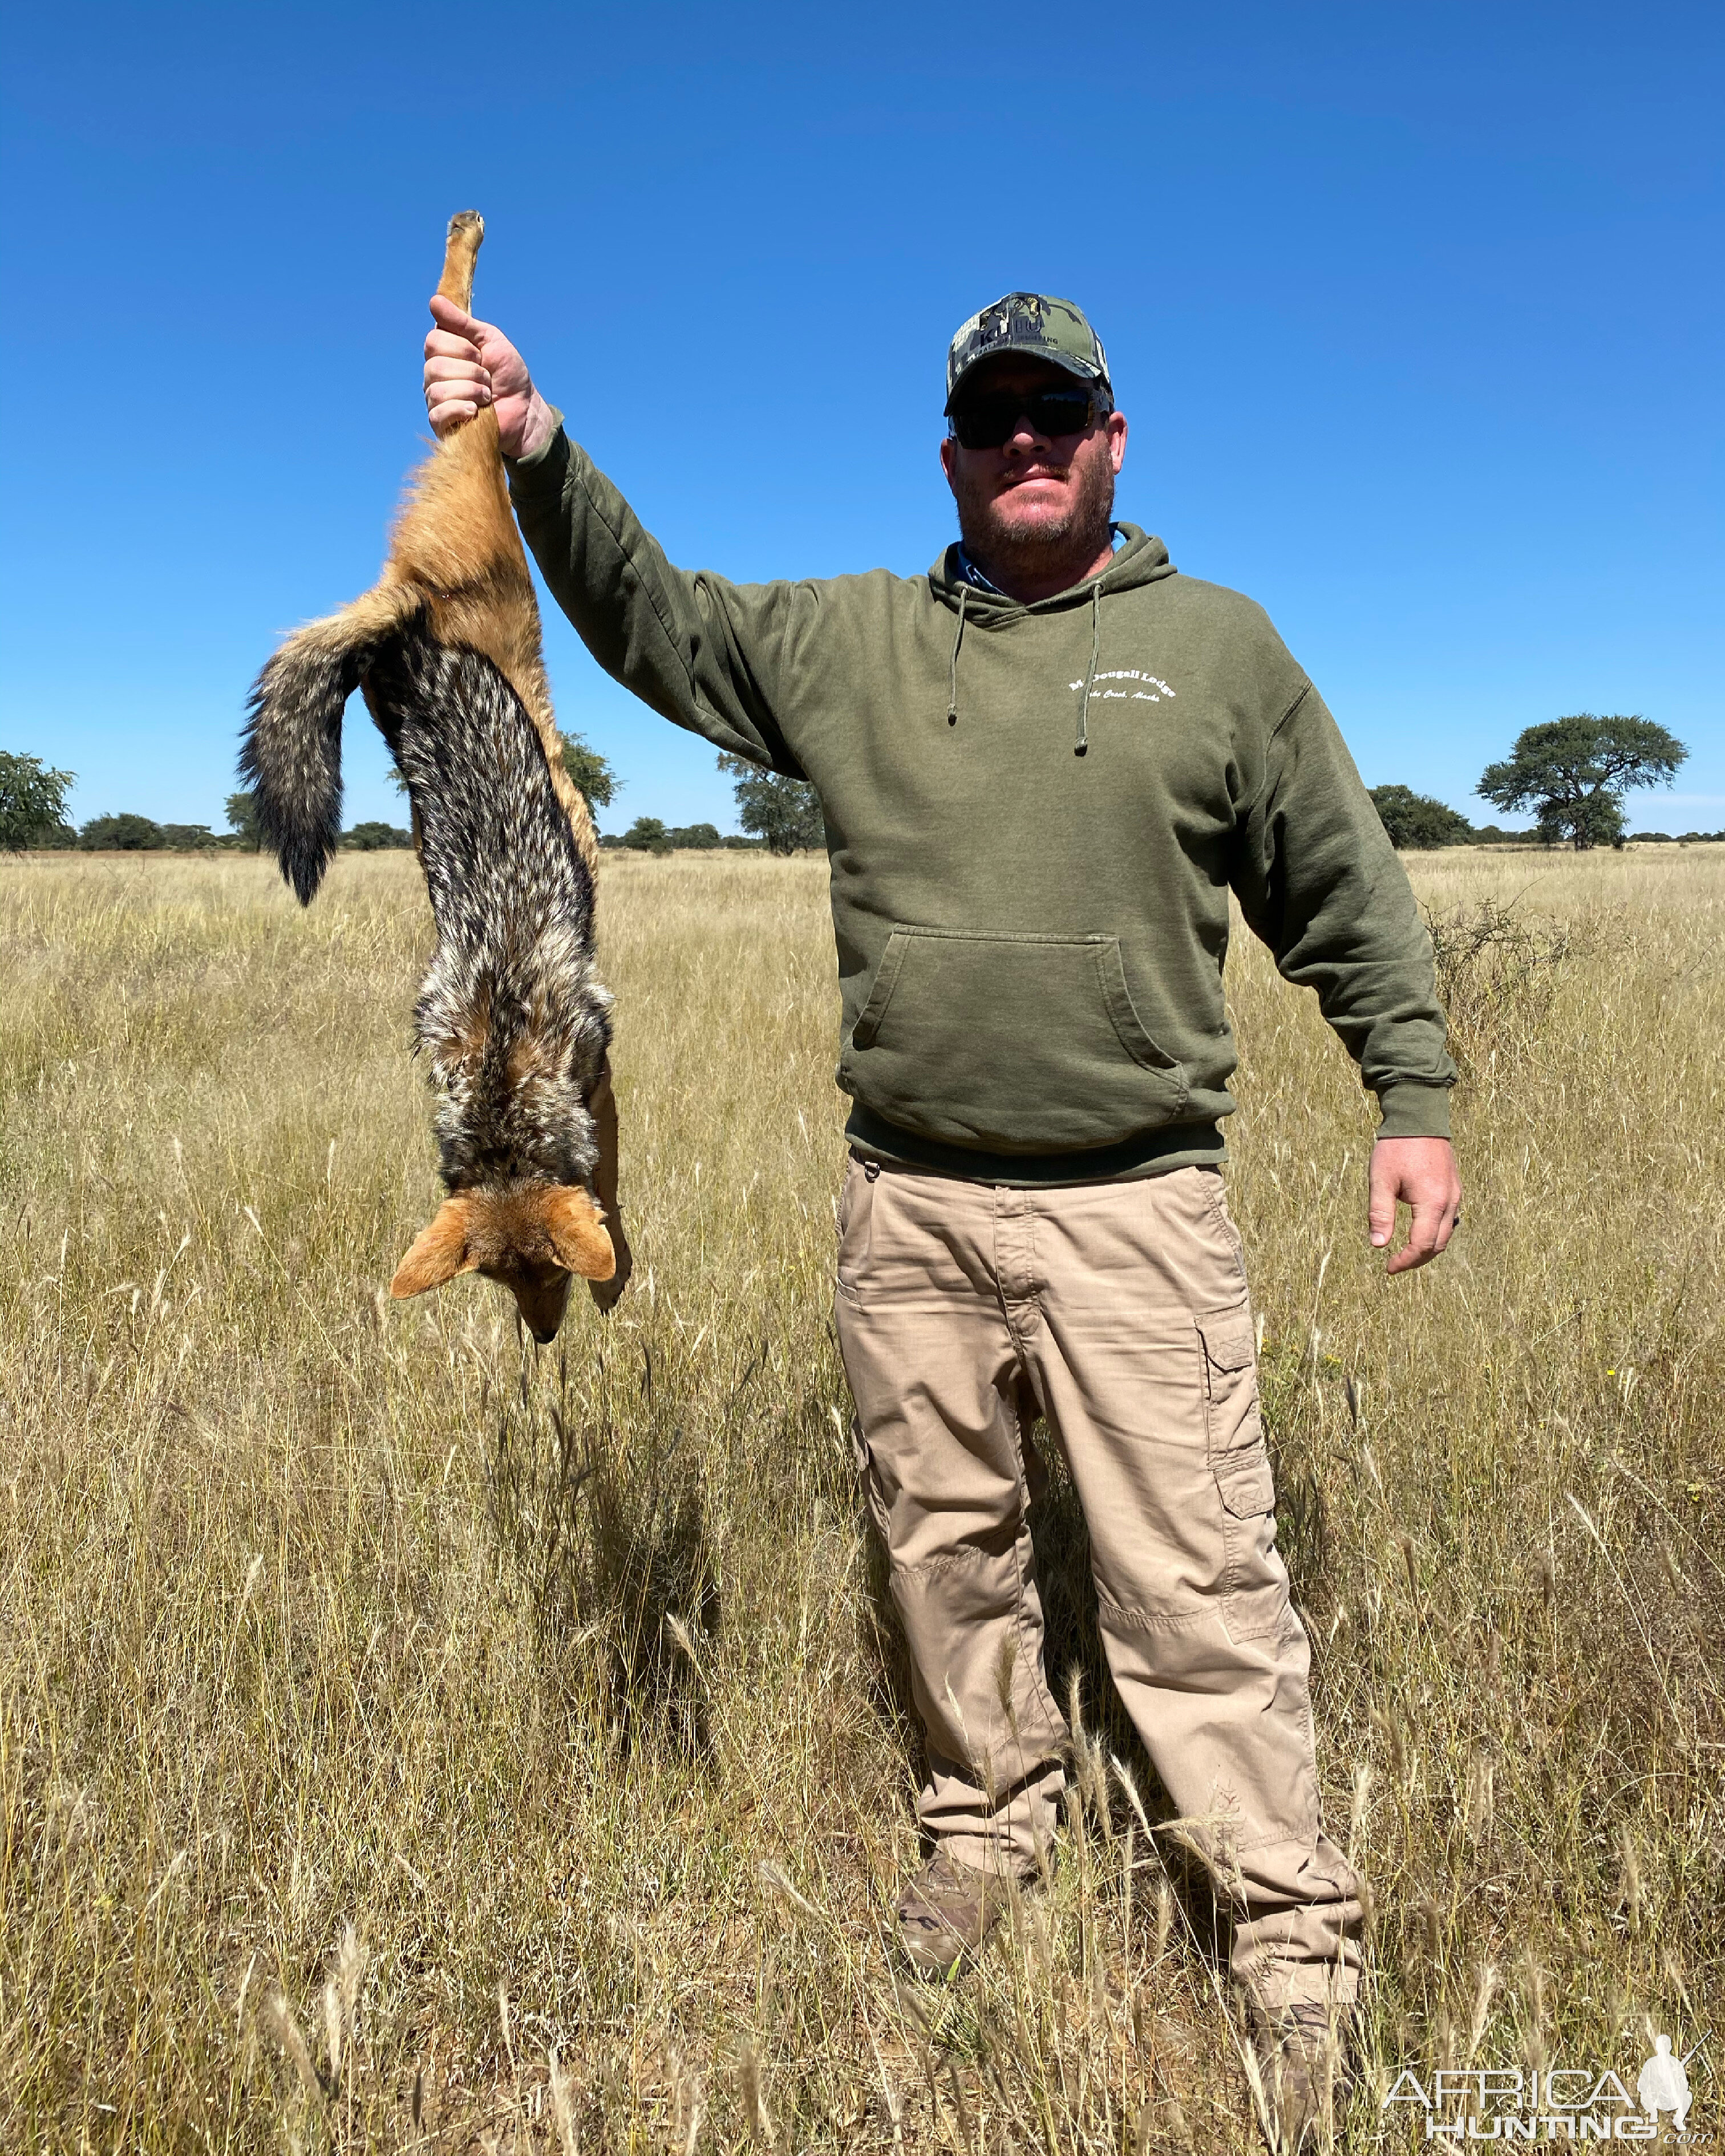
448 317
1380 1213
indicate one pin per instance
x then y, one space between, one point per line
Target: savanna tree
594 777
32 800
785 811
1574 773
647 834
125 834
242 819
1414 820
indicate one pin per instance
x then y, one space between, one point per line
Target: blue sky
1415 314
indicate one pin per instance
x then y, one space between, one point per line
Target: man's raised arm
706 654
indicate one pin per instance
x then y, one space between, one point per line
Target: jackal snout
531 1239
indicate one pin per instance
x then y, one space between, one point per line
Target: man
1043 767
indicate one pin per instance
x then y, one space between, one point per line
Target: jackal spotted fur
512 1017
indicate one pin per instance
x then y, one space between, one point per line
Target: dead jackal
512 1017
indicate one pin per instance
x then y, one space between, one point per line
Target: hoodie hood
1137 560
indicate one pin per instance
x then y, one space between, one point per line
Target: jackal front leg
602 1108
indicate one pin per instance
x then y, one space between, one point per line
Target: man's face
1036 491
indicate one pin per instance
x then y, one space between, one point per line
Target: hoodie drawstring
959 638
1082 747
1090 679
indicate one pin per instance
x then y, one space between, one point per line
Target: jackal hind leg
522 666
467 229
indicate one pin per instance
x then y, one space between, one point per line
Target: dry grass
383 1714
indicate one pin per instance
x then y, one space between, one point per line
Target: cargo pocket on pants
1239 1459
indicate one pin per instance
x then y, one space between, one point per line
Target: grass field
383 1711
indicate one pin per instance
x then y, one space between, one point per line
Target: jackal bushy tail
290 755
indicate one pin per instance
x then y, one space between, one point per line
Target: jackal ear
576 1229
440 1252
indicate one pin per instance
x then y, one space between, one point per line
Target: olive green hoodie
1034 815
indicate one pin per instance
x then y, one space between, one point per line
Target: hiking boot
1301 2053
946 1912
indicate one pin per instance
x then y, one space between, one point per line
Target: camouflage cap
1028 326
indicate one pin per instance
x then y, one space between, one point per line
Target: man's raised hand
470 363
1421 1173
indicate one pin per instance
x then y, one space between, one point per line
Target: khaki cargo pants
1118 1311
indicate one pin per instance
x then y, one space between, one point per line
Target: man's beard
1082 533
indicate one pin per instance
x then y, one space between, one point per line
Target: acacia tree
785 811
124 834
32 800
1414 820
592 775
647 834
1573 774
242 819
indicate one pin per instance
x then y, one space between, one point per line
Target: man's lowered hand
1421 1174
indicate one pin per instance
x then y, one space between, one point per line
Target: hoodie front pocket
1020 1043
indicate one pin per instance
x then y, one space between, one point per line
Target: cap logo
1032 322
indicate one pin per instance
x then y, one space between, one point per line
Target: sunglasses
988 423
